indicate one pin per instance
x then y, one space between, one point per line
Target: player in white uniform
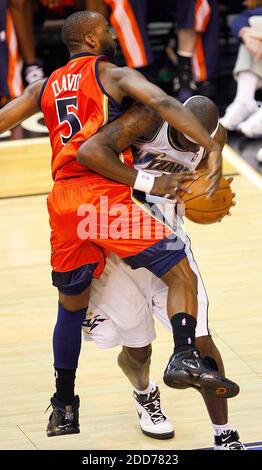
128 319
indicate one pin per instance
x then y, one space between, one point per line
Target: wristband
144 181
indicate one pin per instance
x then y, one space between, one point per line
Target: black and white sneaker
153 422
228 440
32 72
187 369
63 419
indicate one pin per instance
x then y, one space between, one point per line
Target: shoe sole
220 448
220 386
167 435
61 432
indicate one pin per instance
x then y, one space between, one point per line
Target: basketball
201 209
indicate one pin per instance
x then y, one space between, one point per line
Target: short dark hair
205 111
76 26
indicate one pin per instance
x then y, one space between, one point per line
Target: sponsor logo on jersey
92 322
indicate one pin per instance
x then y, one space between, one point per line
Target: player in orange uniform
90 90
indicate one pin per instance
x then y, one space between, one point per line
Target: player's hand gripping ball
203 209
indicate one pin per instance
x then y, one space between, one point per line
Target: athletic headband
190 138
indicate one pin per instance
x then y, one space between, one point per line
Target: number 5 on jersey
65 114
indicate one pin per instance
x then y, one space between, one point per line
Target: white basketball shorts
124 303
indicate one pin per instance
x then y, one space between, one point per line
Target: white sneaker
259 155
236 113
252 127
153 422
228 440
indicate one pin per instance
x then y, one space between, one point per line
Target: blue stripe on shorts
159 258
76 281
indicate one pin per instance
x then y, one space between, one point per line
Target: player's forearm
100 152
182 119
11 115
16 111
133 84
210 162
104 161
221 137
21 108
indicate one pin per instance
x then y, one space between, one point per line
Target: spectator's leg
186 47
205 59
186 41
248 77
22 14
247 83
97 5
128 17
10 80
23 20
183 14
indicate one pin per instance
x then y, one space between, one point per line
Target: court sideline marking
242 166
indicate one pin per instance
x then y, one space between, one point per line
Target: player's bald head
78 25
205 111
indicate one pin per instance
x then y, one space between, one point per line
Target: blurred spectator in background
22 14
129 19
10 79
96 5
197 28
243 113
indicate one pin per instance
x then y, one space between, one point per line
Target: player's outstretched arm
21 108
121 82
101 152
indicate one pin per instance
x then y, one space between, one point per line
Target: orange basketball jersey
75 105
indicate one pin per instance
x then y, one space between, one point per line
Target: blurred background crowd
209 47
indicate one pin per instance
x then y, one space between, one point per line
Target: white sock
246 87
149 389
184 53
220 428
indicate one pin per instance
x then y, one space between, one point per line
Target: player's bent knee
182 272
74 303
135 357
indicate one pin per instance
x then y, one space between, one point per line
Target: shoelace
47 408
69 414
154 410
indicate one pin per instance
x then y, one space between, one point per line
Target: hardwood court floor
230 258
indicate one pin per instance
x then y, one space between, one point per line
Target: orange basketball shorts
92 216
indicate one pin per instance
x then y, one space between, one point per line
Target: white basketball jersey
163 155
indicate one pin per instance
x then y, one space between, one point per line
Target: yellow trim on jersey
105 109
136 201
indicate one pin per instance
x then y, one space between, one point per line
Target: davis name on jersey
68 82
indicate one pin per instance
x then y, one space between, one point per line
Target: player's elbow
163 103
88 155
91 155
